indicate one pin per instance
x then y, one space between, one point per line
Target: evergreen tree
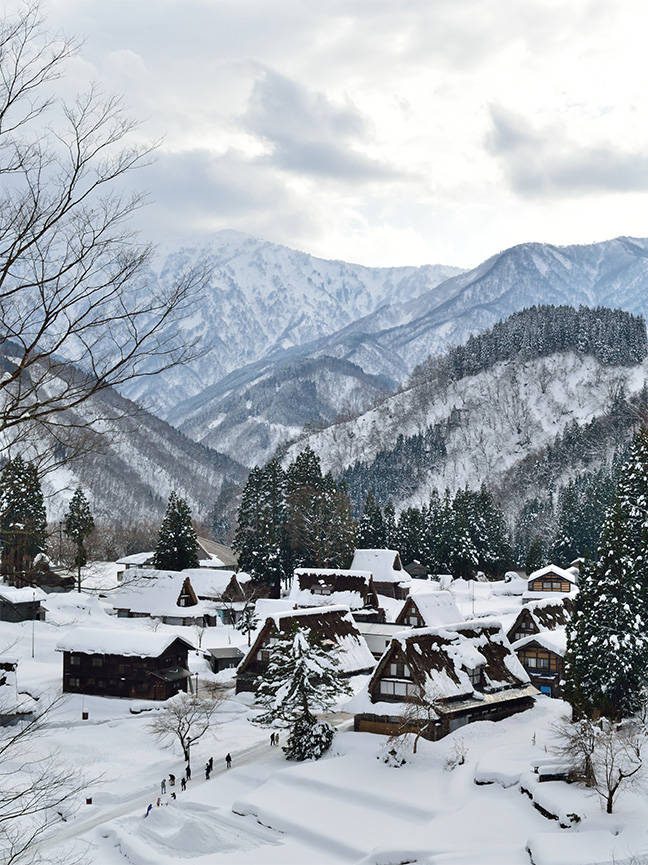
487 529
409 535
23 521
607 642
78 525
177 546
302 676
260 537
536 557
390 525
371 528
451 548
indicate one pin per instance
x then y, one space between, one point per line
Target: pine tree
260 537
303 676
607 639
371 528
23 521
177 546
78 525
390 525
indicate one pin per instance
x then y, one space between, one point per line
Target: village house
434 680
319 587
547 614
223 658
228 591
141 665
389 576
543 657
429 610
210 555
21 605
166 596
548 581
378 635
334 625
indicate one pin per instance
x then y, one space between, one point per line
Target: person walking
183 783
276 739
211 764
171 780
272 738
207 771
163 785
188 772
228 760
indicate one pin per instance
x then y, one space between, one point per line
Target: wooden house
216 556
377 635
228 591
167 596
429 610
320 587
547 614
435 680
542 656
549 580
142 665
21 605
417 571
334 625
389 576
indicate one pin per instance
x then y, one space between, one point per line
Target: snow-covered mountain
397 336
480 428
263 298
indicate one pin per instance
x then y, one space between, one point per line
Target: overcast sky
382 131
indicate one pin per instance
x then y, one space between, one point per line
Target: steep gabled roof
158 595
547 614
385 565
435 608
551 570
553 641
330 623
440 659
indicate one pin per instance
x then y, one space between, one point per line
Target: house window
75 660
536 663
475 677
414 621
74 682
391 688
264 655
552 585
97 661
401 671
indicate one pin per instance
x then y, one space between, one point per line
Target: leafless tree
35 794
185 719
609 755
79 308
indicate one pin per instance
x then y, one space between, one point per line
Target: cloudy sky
382 131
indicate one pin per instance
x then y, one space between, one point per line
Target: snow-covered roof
436 608
319 587
552 569
331 623
440 659
22 596
554 641
136 558
158 596
114 641
385 565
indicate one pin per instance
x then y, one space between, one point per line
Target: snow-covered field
459 801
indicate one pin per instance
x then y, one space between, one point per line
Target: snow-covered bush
309 739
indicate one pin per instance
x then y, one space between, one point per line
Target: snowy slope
493 420
390 341
263 297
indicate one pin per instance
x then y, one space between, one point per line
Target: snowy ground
350 807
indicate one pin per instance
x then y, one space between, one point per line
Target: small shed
224 658
551 579
21 605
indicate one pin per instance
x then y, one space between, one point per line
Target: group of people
209 766
274 738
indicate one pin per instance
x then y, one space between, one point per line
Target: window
97 660
264 655
74 682
552 585
536 663
398 689
75 660
414 621
402 671
475 677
